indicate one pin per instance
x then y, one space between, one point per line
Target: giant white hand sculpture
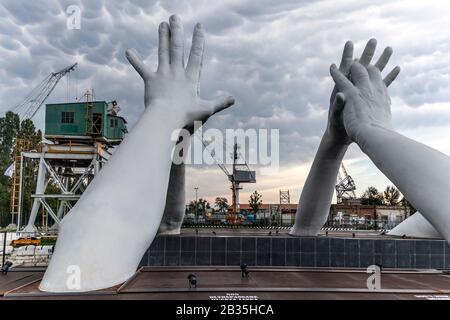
416 226
408 164
175 207
317 193
103 238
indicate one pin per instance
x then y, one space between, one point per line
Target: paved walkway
263 284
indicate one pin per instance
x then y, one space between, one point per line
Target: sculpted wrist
369 134
161 110
329 149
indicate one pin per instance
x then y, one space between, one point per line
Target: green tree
28 131
391 196
199 206
255 201
11 129
221 204
372 197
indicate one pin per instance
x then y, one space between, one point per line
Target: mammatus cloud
273 56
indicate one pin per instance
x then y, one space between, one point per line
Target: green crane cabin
84 122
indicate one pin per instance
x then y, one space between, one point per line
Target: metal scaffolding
64 172
285 201
345 186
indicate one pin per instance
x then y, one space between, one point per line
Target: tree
255 201
11 129
199 206
372 197
391 196
33 137
221 204
28 131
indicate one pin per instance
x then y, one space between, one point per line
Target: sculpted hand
318 190
335 131
179 87
409 164
367 102
173 84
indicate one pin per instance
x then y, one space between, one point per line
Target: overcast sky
273 56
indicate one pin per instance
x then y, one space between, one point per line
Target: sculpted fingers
176 43
222 103
163 48
344 67
347 58
337 107
194 64
342 83
134 59
368 52
391 76
360 76
384 58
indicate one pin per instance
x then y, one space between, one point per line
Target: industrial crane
241 174
36 98
345 187
26 110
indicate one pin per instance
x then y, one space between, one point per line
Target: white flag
9 172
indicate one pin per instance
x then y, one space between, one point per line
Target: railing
348 224
33 253
379 224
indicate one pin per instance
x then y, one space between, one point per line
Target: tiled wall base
290 251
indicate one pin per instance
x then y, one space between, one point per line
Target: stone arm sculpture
175 201
175 207
317 193
105 235
408 164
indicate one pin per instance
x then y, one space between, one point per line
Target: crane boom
36 98
221 165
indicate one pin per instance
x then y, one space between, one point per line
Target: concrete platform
19 278
226 283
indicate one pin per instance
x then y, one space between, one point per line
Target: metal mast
241 174
235 187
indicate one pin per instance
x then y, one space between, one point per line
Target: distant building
272 212
351 213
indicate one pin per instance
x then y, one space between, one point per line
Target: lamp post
196 205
